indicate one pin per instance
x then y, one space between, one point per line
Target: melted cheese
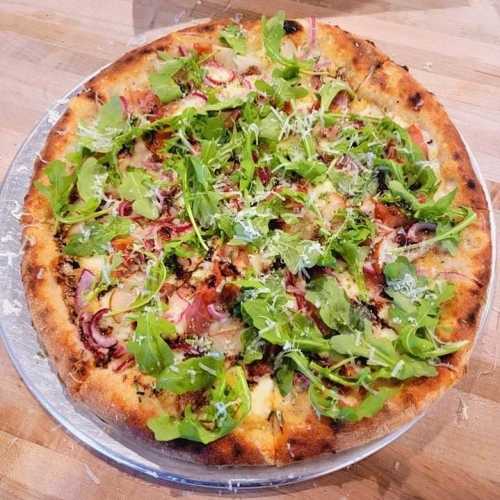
262 397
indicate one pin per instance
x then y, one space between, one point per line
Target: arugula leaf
250 227
109 123
297 253
273 32
415 311
147 345
281 90
309 169
96 237
270 126
192 374
204 200
330 90
59 188
138 186
330 299
371 405
252 346
230 402
90 180
163 83
156 274
233 37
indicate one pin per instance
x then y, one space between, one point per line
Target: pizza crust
377 79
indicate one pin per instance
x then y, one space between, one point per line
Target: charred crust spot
405 67
291 27
371 43
471 317
456 156
89 93
208 28
471 184
378 65
416 101
237 449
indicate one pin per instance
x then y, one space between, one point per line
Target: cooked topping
237 221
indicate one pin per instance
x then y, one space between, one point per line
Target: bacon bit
217 273
340 103
373 273
251 70
390 215
142 101
391 151
202 48
258 369
231 118
316 82
287 107
330 132
301 381
156 141
417 137
264 175
229 294
122 243
197 316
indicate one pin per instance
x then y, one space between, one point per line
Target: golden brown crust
377 79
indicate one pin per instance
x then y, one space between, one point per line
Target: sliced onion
126 363
219 74
246 83
194 100
125 208
119 350
200 94
312 33
417 231
85 284
124 104
215 314
182 51
105 341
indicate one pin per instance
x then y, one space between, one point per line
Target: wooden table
452 47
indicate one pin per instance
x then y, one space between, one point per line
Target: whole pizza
256 242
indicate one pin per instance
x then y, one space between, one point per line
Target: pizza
256 242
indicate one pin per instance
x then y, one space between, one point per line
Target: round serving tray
147 458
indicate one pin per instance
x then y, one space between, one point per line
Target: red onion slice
215 314
124 105
85 284
198 93
105 341
312 34
125 208
417 231
218 74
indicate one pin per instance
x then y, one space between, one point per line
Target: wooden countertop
452 47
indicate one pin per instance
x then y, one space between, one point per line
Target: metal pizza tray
145 458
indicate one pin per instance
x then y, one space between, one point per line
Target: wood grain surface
452 47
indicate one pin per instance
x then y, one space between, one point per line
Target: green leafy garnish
229 403
138 186
163 83
234 38
95 238
109 123
59 188
148 346
297 253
